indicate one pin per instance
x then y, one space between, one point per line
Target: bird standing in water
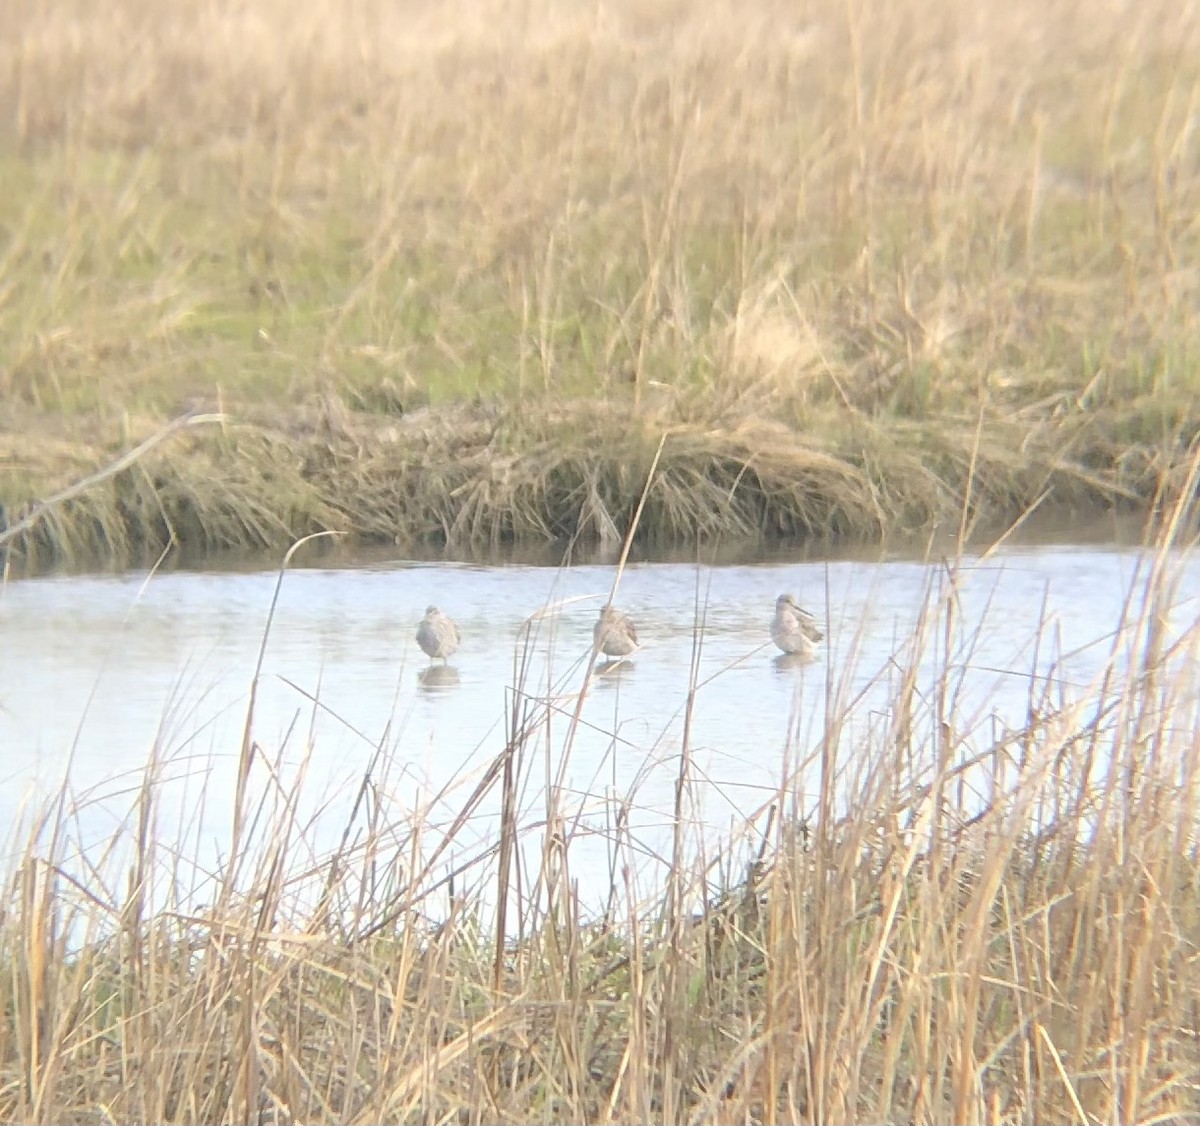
614 634
437 635
793 629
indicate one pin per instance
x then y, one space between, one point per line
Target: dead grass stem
963 922
465 261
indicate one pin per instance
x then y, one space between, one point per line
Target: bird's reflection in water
438 678
787 662
615 668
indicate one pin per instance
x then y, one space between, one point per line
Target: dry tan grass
477 479
881 226
1002 928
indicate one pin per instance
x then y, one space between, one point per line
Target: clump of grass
886 235
483 477
933 917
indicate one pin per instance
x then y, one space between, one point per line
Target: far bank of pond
465 480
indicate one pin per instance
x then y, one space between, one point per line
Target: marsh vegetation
935 914
452 270
465 273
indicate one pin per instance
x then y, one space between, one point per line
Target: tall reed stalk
932 917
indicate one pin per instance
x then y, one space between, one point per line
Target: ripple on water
95 672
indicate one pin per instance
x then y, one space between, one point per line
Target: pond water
97 673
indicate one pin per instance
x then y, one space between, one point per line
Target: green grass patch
706 224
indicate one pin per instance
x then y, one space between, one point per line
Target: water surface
99 672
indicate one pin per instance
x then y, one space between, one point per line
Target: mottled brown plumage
614 633
794 630
437 635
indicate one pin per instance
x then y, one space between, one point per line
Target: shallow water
97 672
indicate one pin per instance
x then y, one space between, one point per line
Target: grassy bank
938 918
451 270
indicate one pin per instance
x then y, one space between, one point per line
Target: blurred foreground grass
936 916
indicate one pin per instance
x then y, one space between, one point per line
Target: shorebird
437 635
794 630
614 634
